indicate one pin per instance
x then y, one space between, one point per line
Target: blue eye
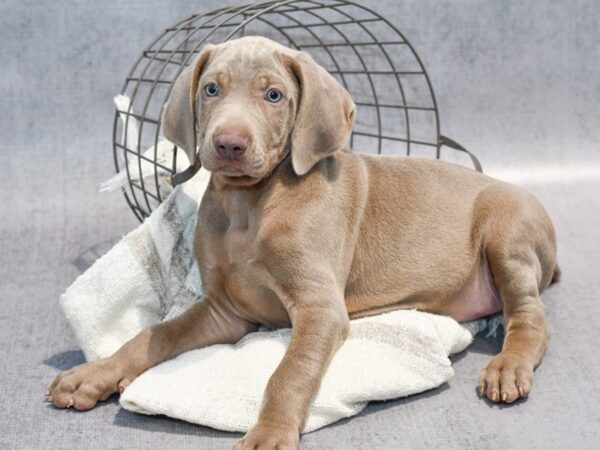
273 95
211 90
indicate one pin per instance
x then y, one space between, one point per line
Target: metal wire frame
164 59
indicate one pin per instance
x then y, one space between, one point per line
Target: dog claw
504 396
123 385
71 403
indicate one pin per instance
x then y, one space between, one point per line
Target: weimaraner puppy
293 230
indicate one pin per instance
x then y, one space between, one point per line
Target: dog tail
556 275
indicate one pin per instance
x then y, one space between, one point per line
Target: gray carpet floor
517 82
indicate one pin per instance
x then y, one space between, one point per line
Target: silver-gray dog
294 230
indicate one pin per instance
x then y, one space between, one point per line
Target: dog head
243 105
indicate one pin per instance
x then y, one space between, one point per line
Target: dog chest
232 269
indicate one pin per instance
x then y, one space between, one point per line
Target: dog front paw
270 436
83 386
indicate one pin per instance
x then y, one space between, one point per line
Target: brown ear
179 114
325 114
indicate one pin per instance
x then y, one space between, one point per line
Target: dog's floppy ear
325 113
179 114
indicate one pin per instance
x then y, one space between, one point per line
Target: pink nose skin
230 145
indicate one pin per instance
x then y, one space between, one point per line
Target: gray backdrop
517 82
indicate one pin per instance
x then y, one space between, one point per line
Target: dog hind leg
519 241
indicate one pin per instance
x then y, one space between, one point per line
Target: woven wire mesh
396 108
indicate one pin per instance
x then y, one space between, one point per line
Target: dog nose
231 145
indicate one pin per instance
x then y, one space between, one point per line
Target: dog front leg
317 333
205 323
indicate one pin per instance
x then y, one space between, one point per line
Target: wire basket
396 108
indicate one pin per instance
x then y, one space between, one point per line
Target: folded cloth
151 275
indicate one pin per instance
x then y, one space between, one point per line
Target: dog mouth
245 169
235 167
235 172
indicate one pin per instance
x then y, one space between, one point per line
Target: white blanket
152 275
